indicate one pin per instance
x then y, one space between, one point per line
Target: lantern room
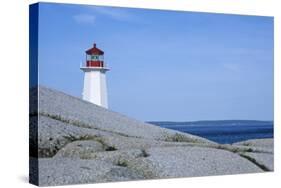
94 57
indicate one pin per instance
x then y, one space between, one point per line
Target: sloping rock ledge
79 142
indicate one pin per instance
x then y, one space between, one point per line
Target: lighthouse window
94 57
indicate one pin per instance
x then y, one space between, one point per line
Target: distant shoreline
211 122
223 131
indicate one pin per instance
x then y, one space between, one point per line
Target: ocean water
224 132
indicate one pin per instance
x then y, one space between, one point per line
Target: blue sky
165 65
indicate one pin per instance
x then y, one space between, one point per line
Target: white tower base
95 89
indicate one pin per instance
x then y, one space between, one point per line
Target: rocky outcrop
79 142
264 158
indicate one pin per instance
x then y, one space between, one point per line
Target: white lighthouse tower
95 90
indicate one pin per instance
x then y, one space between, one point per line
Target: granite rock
79 142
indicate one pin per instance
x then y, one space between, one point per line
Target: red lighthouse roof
94 51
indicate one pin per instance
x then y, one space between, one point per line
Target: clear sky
165 65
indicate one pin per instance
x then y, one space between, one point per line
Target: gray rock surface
264 154
60 171
196 161
263 144
80 149
79 142
264 160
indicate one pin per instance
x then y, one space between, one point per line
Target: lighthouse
94 68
